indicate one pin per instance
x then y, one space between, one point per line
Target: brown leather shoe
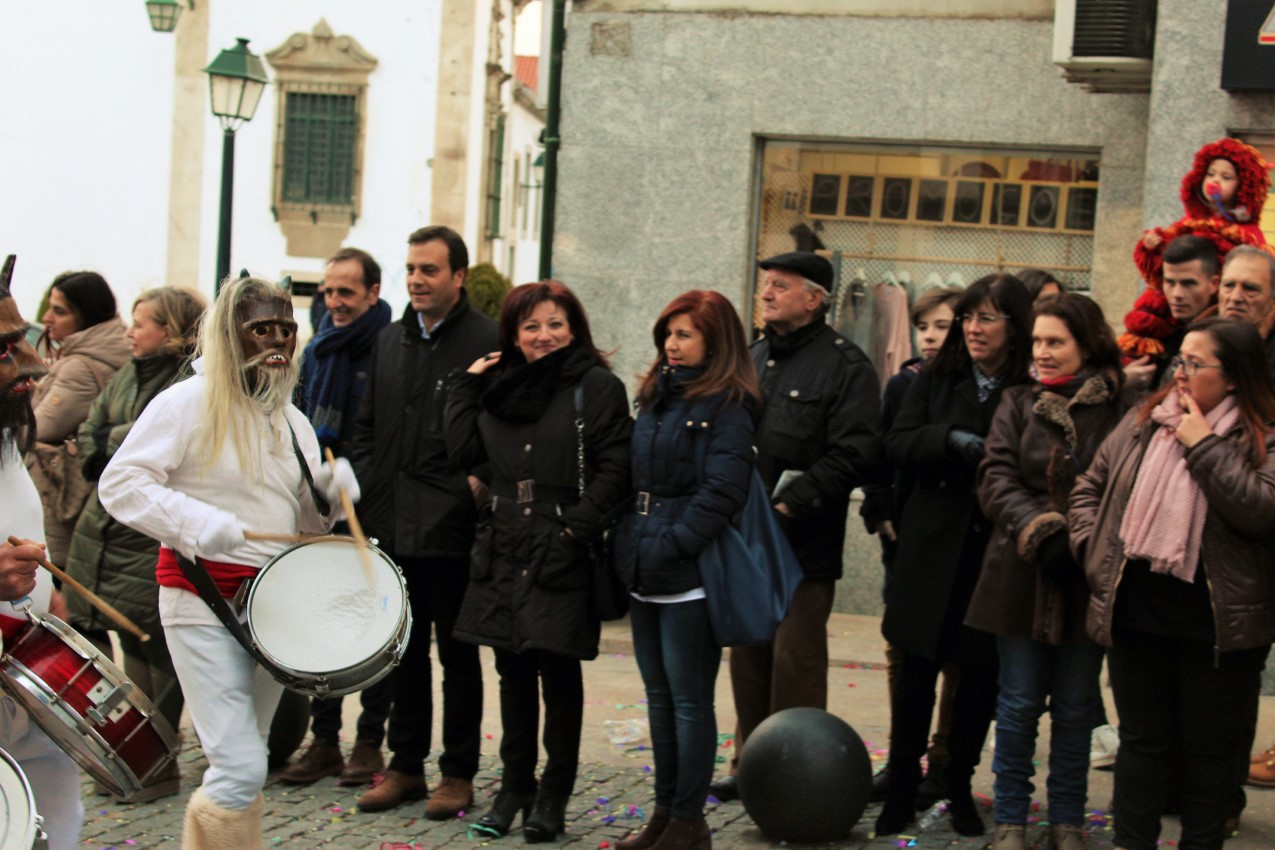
365 761
1262 774
685 835
319 760
394 789
450 798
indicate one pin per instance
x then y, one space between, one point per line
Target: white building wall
87 150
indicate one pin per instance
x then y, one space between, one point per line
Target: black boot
505 808
880 785
963 811
547 817
900 801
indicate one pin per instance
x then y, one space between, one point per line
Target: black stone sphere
804 776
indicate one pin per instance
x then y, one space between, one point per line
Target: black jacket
528 579
415 502
822 416
942 532
656 550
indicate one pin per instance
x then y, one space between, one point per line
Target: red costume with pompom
1150 321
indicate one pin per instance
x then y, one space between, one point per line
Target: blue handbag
749 571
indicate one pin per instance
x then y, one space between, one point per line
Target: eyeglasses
1189 367
982 319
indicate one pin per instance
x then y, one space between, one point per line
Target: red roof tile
526 70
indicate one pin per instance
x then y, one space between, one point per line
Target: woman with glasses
936 445
1173 523
1031 594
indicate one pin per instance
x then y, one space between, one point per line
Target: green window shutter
495 175
320 142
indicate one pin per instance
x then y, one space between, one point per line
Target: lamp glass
163 14
236 81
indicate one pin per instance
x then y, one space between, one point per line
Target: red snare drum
86 705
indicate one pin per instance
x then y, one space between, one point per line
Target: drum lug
321 687
109 703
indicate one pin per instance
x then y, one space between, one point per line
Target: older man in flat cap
818 439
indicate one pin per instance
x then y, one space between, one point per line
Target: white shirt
22 516
159 483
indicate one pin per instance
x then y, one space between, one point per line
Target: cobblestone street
614 788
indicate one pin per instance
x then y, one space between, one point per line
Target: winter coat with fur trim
1039 442
1236 550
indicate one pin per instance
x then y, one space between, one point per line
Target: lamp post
236 80
163 14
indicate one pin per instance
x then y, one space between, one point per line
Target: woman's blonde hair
179 311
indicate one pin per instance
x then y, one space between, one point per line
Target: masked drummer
53 777
211 458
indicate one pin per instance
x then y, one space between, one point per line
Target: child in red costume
1223 195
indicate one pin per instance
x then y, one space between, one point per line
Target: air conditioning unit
1105 45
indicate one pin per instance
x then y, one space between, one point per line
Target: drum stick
355 529
98 602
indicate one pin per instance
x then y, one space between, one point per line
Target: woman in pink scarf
1173 523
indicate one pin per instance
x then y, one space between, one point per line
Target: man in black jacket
422 511
818 439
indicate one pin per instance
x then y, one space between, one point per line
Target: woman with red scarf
1031 594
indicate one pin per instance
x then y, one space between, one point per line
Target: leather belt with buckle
526 491
642 504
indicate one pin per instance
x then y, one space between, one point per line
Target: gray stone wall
662 119
663 114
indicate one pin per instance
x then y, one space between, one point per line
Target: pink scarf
1164 521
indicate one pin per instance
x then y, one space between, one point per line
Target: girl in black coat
697 401
528 594
937 442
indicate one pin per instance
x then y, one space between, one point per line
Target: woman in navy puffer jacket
696 407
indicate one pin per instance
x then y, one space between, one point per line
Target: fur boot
209 826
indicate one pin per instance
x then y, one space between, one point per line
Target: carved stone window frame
318 61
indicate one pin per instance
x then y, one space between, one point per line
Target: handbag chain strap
579 396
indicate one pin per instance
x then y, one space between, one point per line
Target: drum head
312 610
18 824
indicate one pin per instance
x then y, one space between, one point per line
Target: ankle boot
209 826
900 801
548 817
1066 836
648 834
685 835
963 812
506 806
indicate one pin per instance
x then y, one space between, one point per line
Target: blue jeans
1033 675
679 660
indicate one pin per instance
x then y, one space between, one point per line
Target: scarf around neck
1164 521
328 381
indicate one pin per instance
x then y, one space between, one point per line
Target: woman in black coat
552 488
937 442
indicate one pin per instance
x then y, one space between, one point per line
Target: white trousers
54 778
231 701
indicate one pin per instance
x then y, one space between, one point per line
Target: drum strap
203 582
319 501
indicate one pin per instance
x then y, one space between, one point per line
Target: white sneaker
1103 745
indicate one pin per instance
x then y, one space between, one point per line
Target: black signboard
1248 53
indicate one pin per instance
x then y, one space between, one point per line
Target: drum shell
59 677
18 833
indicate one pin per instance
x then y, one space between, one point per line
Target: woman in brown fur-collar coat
1031 594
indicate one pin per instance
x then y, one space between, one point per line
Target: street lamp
163 14
236 80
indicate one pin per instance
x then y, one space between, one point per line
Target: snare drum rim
32 821
75 734
339 681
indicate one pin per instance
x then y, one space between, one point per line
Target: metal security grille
1114 28
321 134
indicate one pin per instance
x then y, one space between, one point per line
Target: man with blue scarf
333 376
